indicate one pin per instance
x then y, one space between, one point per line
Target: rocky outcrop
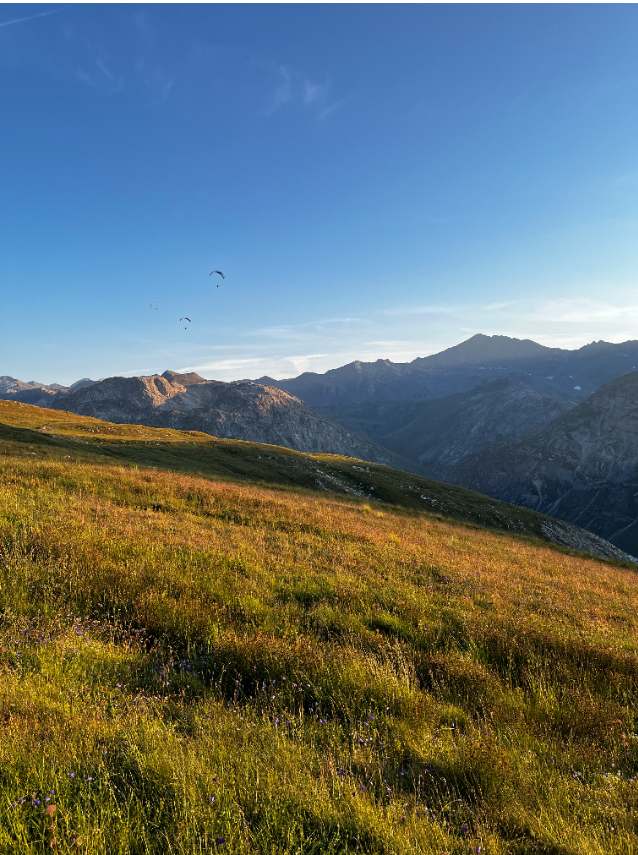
240 410
582 467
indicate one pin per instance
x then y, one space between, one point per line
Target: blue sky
374 180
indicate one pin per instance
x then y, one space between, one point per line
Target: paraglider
152 304
186 319
220 273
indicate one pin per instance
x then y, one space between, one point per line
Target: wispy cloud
626 180
283 92
327 111
581 311
294 89
494 307
29 18
312 91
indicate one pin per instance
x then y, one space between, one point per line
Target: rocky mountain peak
188 379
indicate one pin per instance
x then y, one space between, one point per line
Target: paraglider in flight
186 319
220 273
152 304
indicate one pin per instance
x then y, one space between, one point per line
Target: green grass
188 660
52 434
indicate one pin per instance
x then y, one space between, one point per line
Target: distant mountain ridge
453 370
459 369
38 394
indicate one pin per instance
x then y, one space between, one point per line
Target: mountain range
460 368
544 428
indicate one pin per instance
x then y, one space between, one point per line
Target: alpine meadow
192 663
318 428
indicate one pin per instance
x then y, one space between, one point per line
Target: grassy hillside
193 664
50 434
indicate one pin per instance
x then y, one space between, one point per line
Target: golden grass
334 677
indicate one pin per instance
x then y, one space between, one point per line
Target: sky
376 181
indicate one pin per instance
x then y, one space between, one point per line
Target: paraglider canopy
220 273
186 319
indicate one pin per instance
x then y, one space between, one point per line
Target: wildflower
36 802
71 775
221 841
51 810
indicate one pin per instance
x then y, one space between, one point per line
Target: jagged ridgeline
194 661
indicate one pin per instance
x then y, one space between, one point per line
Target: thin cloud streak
29 18
580 311
321 116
